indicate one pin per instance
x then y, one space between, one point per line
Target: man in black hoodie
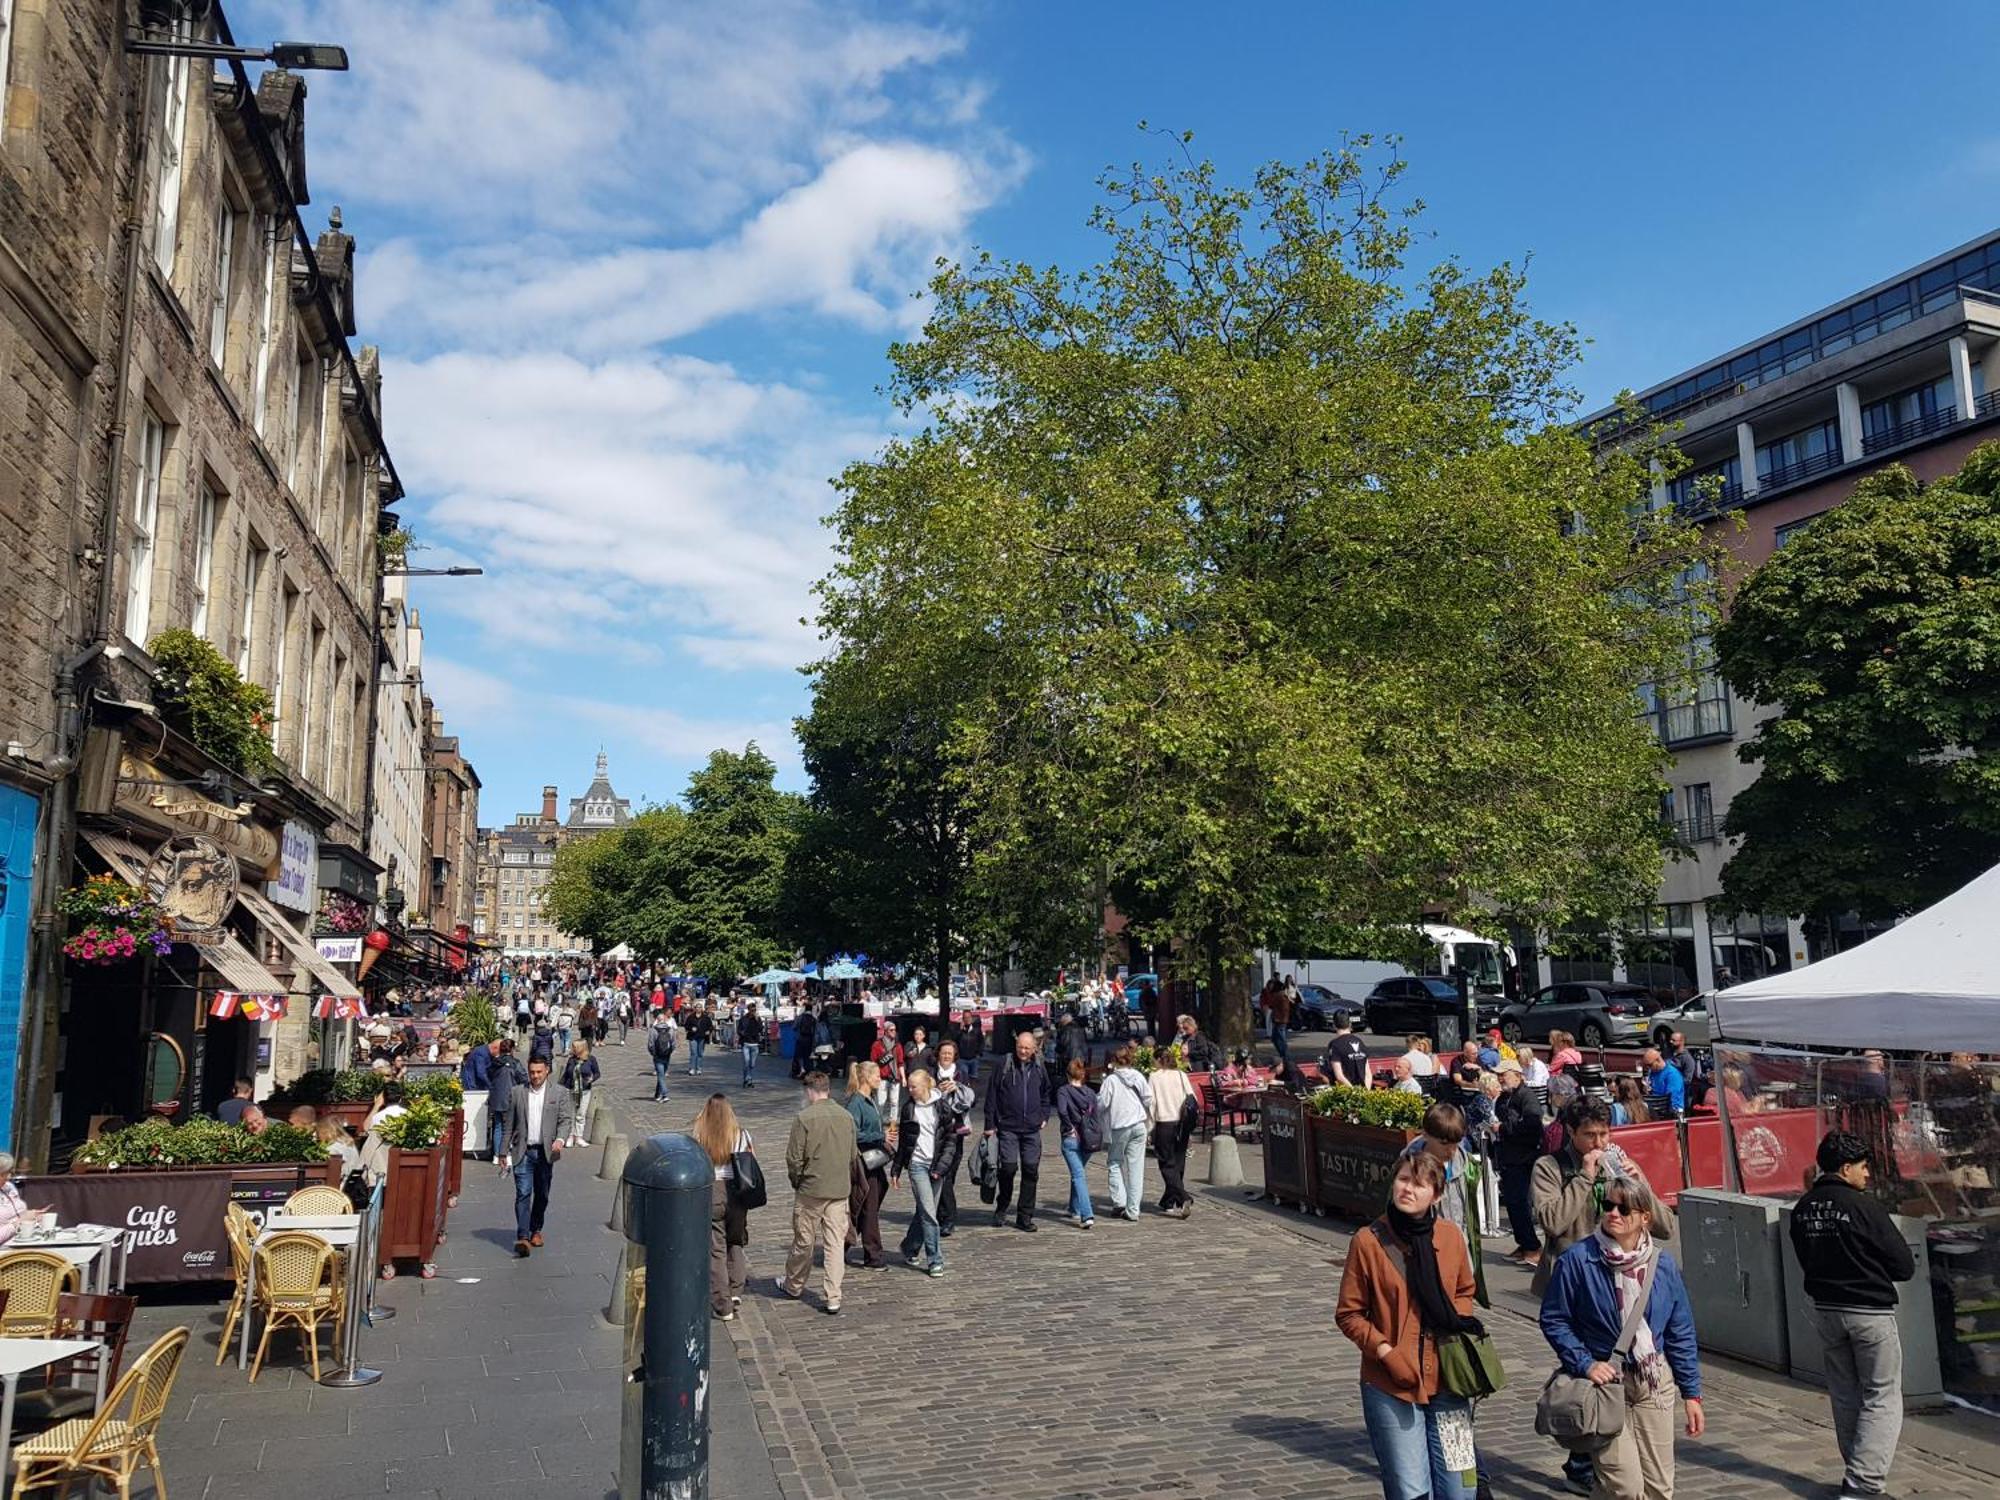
1852 1257
1018 1099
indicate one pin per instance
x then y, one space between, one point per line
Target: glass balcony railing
1884 438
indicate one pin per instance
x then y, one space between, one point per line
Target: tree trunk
942 937
1237 1026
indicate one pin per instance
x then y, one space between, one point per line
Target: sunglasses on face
1612 1206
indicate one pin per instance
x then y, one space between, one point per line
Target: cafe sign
339 950
193 880
298 868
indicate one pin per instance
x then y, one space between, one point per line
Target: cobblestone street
1160 1358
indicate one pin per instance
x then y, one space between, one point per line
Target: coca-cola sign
172 1220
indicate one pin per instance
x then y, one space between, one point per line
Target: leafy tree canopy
1284 589
1876 633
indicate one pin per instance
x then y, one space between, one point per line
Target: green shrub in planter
420 1127
198 1143
1383 1107
474 1022
442 1089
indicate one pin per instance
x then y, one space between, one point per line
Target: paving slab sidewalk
501 1379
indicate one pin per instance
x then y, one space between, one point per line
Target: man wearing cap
1853 1257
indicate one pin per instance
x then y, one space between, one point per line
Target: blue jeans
696 1046
923 1230
532 1176
750 1050
1125 1161
562 1040
1409 1449
660 1065
499 1129
1281 1040
1079 1185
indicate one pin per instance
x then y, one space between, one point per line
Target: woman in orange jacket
1408 1283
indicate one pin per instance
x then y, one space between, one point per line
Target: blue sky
633 266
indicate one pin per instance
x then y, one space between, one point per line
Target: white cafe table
17 1357
88 1247
338 1230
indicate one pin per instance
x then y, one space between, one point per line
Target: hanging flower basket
341 915
112 922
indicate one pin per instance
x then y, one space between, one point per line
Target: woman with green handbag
1407 1291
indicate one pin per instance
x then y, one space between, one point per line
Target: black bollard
668 1183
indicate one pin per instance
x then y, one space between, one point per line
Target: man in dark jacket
1018 1099
505 1074
1517 1141
1202 1055
805 1037
1853 1256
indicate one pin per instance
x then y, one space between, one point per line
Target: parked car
1315 1009
1403 1006
1133 983
1601 1013
1689 1019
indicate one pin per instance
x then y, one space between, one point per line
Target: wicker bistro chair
240 1230
295 1286
72 1388
319 1199
33 1280
116 1442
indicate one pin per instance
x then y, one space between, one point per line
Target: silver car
1689 1018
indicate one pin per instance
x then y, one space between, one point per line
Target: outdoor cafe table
338 1230
88 1247
17 1357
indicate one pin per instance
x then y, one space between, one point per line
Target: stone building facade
451 829
187 442
517 859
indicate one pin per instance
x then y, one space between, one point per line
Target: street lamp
297 56
432 572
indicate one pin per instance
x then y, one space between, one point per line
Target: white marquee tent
1930 984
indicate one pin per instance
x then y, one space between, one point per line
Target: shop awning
309 969
239 969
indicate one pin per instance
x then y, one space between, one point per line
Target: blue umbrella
844 971
774 976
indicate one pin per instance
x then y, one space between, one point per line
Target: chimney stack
548 804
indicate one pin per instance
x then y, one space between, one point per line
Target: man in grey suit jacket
540 1120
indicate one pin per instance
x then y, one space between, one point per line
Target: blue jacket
1580 1314
1668 1084
1018 1096
476 1072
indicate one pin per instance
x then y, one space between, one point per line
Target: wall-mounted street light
297 56
432 572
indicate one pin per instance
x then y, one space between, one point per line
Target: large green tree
697 884
1291 593
1876 634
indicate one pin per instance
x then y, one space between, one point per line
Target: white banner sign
339 950
298 868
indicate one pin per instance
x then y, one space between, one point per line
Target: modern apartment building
1781 429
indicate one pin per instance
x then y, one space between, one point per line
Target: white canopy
1930 984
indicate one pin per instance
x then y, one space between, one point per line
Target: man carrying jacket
1852 1257
1018 1100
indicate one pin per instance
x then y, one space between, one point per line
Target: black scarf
1434 1308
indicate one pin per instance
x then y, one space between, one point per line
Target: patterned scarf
1645 1367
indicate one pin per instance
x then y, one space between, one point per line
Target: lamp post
294 56
432 572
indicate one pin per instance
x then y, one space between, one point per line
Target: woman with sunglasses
1594 1286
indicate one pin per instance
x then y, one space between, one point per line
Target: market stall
1892 1041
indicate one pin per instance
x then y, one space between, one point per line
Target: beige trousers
1638 1464
821 1222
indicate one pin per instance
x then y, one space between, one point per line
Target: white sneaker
579 1142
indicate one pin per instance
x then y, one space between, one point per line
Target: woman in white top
1128 1109
374 1149
14 1214
719 1134
927 1147
1422 1063
1171 1092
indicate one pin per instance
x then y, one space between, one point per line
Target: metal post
669 1184
349 1371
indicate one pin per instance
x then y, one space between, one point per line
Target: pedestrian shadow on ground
1691 1453
1346 1446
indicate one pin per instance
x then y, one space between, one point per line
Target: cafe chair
33 1280
239 1229
116 1442
73 1384
319 1199
296 1288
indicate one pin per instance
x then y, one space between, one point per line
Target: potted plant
415 1190
473 1021
444 1089
1353 1138
340 915
112 922
200 693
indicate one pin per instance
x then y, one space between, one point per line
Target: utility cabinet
1732 1261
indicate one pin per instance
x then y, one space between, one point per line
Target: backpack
1090 1125
661 1042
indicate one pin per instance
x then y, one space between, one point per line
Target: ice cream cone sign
373 947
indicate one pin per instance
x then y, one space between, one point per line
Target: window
145 522
6 49
288 609
206 506
255 556
1696 823
308 673
303 434
1715 486
226 220
260 368
1784 534
170 150
1799 455
340 727
1694 703
1908 414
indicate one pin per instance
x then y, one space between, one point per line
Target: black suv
1398 1007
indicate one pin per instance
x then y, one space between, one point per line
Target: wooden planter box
1351 1165
454 1156
413 1204
1287 1163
